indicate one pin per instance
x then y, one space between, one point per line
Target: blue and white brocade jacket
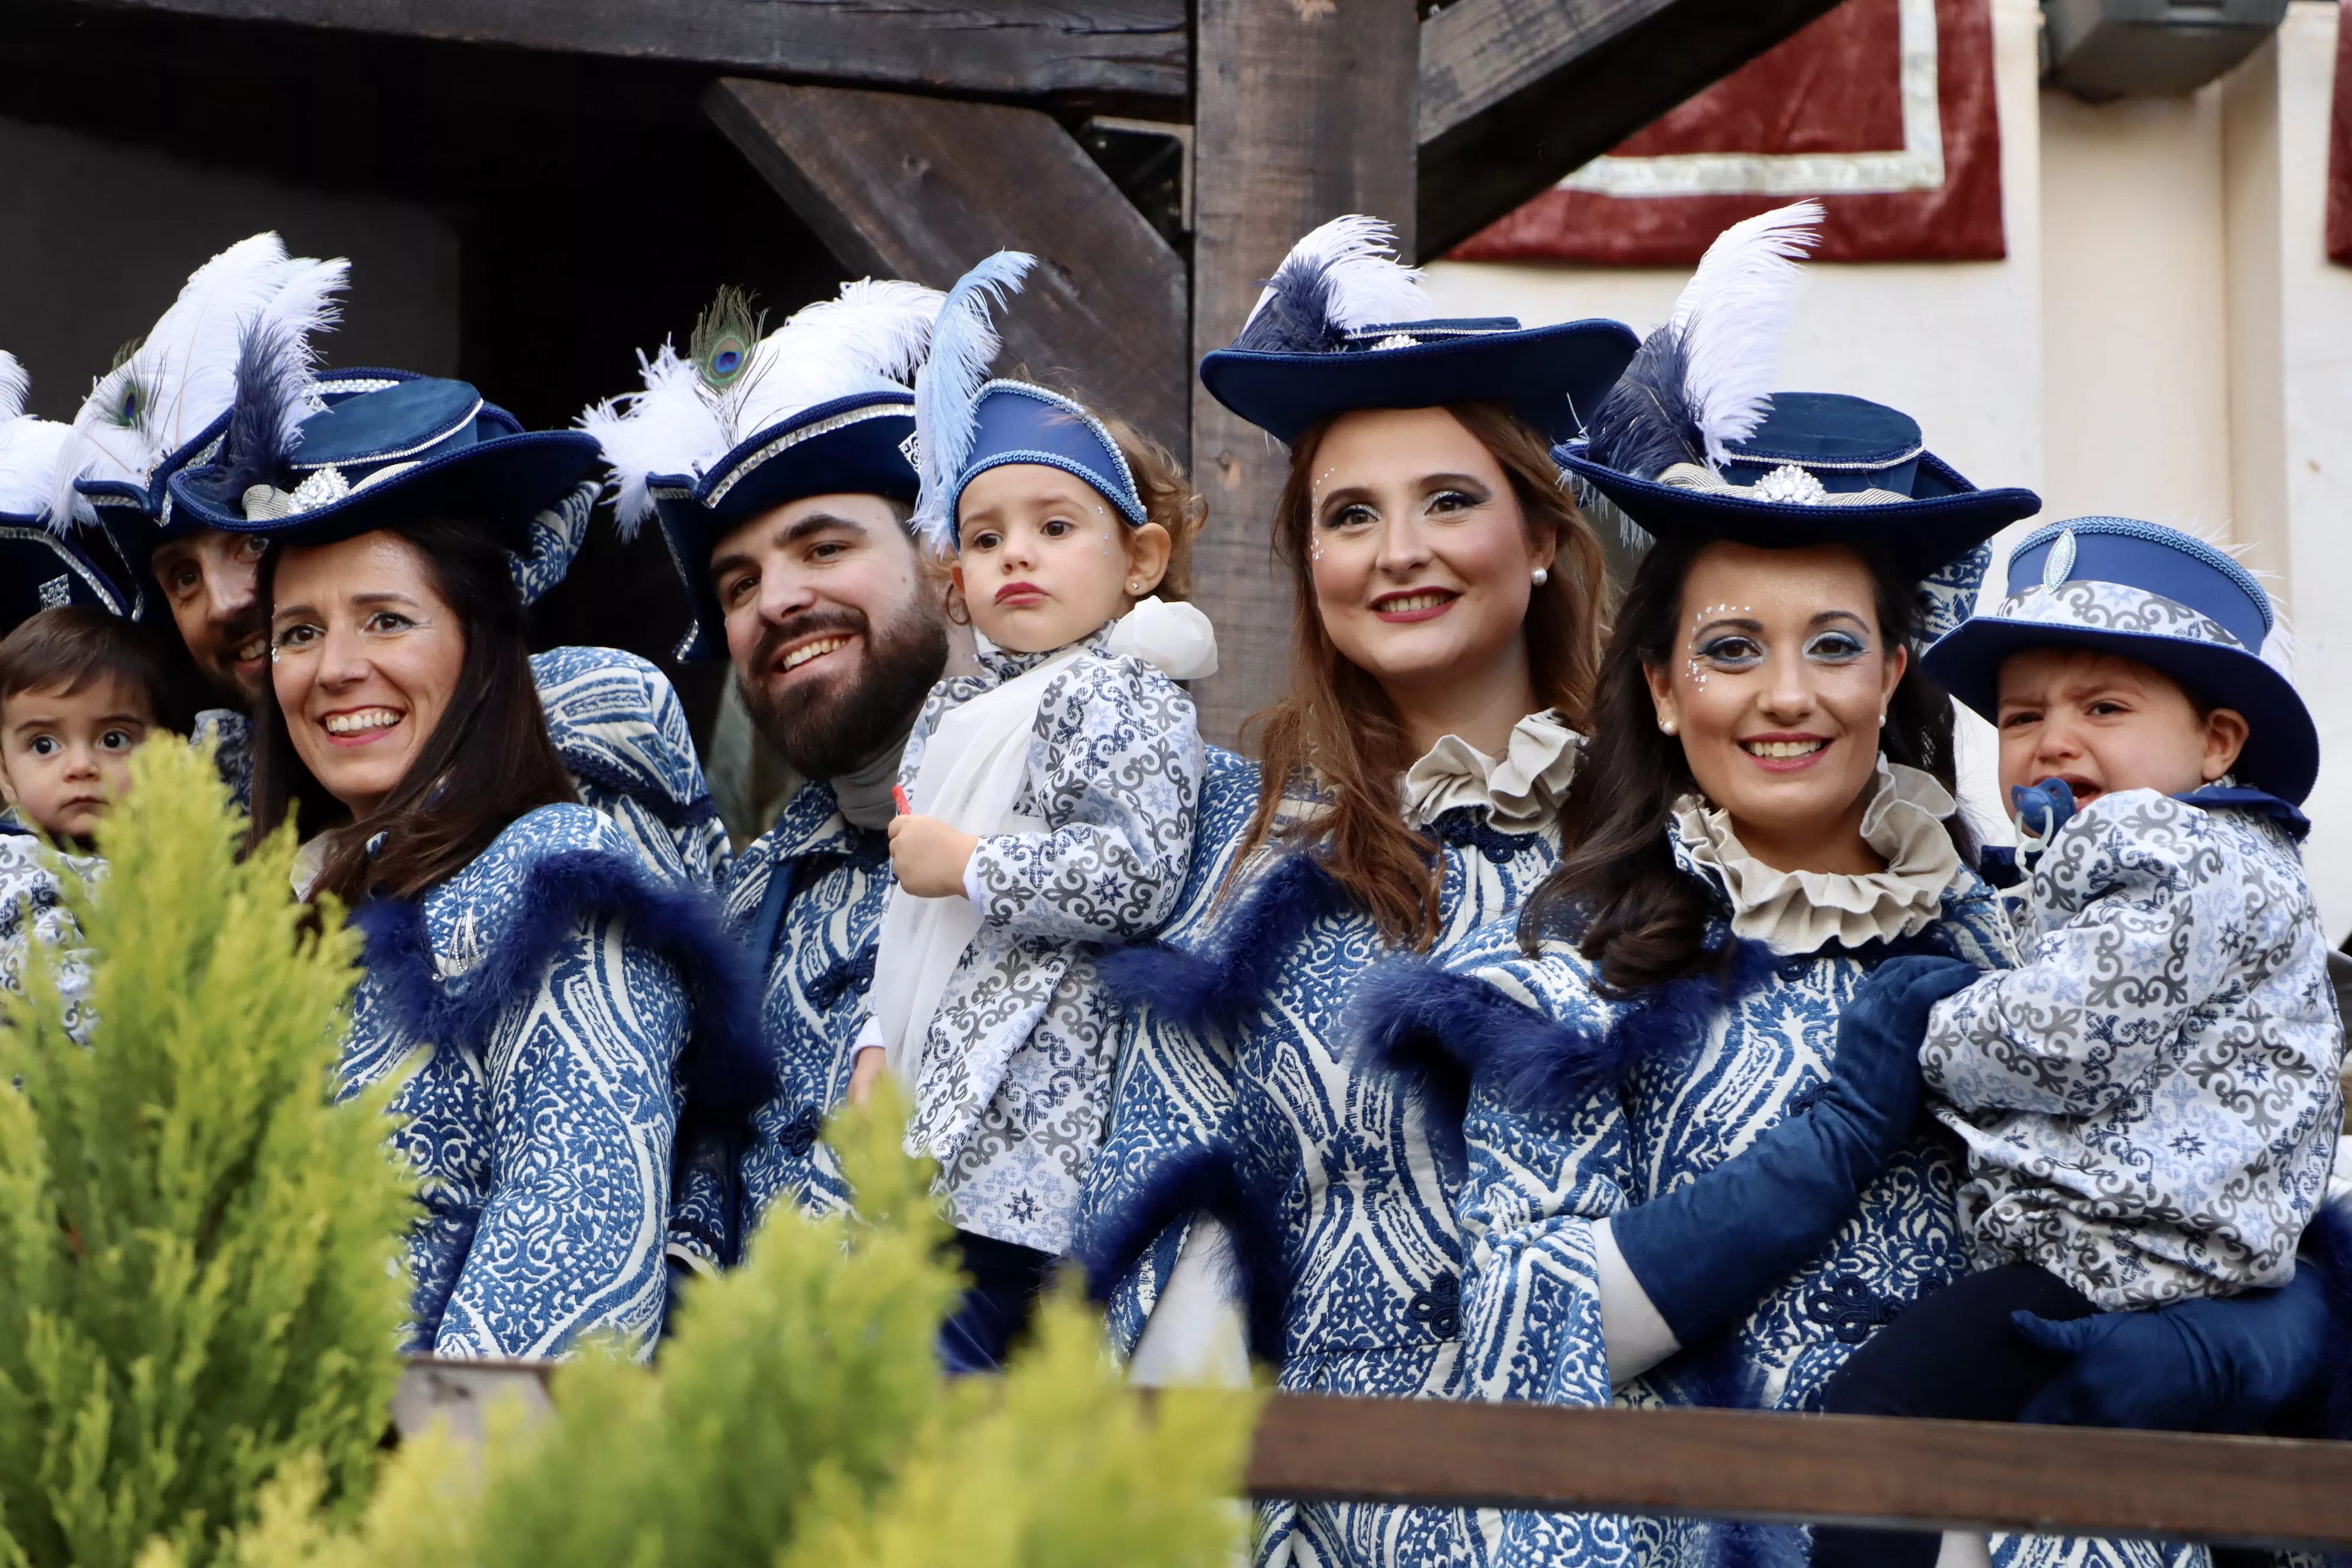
1238 1098
540 1015
807 899
1706 1071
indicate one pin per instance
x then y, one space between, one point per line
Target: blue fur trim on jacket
1203 1181
728 1070
1225 981
1432 1030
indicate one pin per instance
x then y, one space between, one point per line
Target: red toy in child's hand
898 794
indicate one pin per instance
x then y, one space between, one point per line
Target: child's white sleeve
2143 888
1115 773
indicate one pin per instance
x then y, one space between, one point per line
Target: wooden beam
1303 111
1747 1464
922 188
1514 94
1105 50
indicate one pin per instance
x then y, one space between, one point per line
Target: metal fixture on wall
2103 49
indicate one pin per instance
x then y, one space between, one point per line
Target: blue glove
2196 1366
2041 810
1707 1251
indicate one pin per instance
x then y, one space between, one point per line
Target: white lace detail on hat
2089 603
1521 790
321 487
1804 911
1788 485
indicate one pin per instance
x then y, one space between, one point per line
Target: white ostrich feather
28 448
871 338
673 427
182 377
1732 316
963 345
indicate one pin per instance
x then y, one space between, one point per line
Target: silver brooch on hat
322 487
911 449
1791 486
2059 564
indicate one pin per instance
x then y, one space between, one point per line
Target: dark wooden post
1303 110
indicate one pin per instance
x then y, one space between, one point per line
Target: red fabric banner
1883 109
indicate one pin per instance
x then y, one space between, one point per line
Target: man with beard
163 406
777 468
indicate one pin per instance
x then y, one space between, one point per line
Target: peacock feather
725 336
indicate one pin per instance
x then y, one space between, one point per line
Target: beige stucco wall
2166 340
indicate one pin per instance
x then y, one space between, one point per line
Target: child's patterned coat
2150 1102
1013 1084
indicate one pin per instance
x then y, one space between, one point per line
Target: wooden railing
1724 1464
1745 1464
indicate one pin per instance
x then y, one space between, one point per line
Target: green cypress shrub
797 1417
198 1251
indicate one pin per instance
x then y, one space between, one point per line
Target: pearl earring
1540 575
1665 726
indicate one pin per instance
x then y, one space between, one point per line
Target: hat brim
1920 536
501 484
860 458
1550 376
33 558
2282 749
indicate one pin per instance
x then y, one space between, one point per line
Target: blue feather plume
1647 422
963 345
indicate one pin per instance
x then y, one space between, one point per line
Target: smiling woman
372 641
535 966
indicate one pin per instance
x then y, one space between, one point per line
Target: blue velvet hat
1693 443
165 405
1342 326
2156 595
965 425
45 564
415 447
746 424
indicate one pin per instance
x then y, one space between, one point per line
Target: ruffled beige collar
1521 790
1804 912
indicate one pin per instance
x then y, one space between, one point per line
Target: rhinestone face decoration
1791 486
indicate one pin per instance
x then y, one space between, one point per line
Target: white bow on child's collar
1173 638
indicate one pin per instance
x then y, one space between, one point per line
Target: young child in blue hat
2150 1100
1049 803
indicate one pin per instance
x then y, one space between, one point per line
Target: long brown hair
1336 731
487 761
1617 890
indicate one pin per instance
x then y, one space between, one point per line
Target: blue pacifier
2040 810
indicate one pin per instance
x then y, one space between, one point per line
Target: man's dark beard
831 726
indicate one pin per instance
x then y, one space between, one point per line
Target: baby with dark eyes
79 688
2149 1100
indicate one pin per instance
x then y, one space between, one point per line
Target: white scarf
972 771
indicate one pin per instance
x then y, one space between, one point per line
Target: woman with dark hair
533 967
1447 633
1685 1076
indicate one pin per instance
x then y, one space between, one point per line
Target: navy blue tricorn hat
2156 595
1342 326
418 447
45 562
44 570
745 423
1821 468
851 445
